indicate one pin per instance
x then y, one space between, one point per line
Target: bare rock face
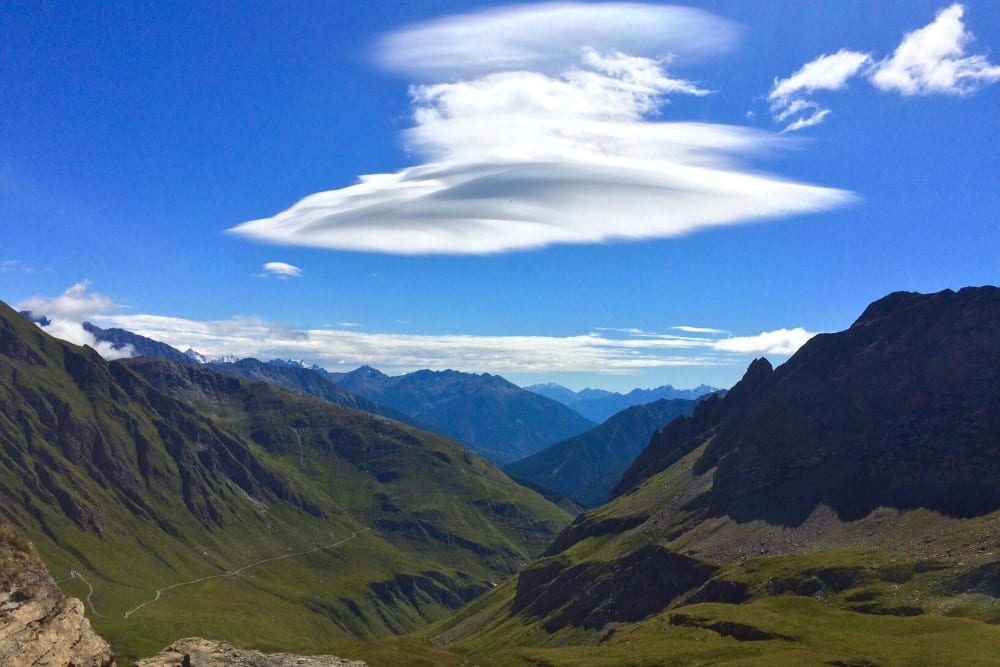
196 652
39 626
900 410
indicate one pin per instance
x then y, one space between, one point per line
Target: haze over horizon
609 195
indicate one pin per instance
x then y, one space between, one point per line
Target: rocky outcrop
196 652
39 626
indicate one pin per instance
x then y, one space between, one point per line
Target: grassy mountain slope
495 418
712 552
176 500
587 466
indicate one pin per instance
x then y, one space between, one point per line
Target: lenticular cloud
522 148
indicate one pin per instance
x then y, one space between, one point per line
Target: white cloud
930 60
281 270
399 353
933 60
67 312
828 72
550 139
780 341
808 121
76 303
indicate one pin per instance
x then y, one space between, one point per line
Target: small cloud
632 331
65 314
281 270
828 72
809 121
932 60
780 341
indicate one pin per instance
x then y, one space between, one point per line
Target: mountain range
600 404
491 416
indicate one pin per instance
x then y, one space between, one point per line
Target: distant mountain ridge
494 417
587 466
599 404
313 381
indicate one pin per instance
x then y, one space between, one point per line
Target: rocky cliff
39 626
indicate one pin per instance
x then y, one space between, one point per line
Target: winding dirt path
73 574
233 573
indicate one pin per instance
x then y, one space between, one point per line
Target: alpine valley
194 502
840 509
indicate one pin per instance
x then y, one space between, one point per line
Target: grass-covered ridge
141 475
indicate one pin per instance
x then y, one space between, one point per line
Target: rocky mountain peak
898 410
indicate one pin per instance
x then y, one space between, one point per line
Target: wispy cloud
335 349
17 266
701 330
609 350
789 99
547 37
281 270
538 125
66 313
781 341
928 61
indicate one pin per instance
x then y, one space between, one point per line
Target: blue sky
613 195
